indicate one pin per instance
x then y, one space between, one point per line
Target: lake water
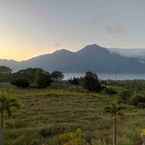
103 76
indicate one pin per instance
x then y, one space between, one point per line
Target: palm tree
115 111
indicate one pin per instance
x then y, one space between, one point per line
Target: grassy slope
60 109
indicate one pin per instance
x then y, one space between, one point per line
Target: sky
32 27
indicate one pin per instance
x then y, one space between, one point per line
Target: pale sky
32 27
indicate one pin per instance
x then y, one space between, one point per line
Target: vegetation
80 111
74 81
34 77
115 111
57 76
91 82
20 82
7 103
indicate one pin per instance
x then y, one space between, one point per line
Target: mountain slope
90 58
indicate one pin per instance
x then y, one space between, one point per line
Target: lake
105 76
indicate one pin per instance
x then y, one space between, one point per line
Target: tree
57 75
115 111
43 80
74 81
34 77
91 82
20 82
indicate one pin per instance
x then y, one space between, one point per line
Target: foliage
57 75
125 96
72 138
91 82
20 82
74 81
7 103
73 107
110 91
115 111
138 101
43 80
34 77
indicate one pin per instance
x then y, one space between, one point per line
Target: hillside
47 113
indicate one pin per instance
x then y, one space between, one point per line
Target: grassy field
46 113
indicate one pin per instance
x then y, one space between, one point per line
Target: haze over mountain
90 58
135 52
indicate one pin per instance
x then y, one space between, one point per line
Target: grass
65 109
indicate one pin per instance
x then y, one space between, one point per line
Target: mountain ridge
90 58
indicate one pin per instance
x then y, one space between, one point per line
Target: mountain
90 58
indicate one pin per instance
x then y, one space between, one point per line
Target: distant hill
90 58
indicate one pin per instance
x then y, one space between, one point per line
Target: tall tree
91 82
115 111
